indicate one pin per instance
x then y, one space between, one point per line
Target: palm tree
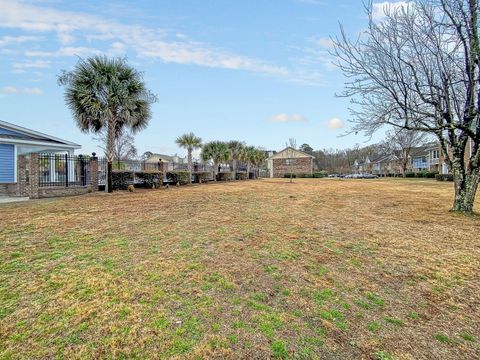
190 142
218 152
107 94
249 153
236 150
259 156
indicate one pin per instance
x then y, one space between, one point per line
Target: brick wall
300 166
28 175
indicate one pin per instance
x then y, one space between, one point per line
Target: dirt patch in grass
315 269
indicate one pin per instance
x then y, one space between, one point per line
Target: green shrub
225 176
320 174
150 179
287 175
121 179
202 176
444 177
241 175
430 174
304 175
409 175
183 176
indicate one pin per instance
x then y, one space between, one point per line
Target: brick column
94 172
33 176
22 175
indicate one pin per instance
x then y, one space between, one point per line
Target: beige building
288 161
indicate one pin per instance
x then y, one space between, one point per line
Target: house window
290 161
435 154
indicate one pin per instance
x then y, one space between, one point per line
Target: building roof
19 135
290 153
155 158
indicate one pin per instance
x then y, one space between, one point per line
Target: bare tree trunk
466 185
248 169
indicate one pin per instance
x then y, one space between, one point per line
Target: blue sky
252 70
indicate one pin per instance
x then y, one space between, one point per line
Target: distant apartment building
429 157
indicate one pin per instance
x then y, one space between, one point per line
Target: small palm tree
236 150
107 94
258 157
218 152
190 142
249 157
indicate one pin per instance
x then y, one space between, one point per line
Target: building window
290 161
435 154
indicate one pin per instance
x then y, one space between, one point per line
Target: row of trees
397 141
219 152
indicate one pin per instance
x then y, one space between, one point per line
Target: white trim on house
65 147
34 133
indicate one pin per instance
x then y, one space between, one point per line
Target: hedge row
150 179
318 175
422 174
444 177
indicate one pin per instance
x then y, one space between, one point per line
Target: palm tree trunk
190 165
110 152
215 171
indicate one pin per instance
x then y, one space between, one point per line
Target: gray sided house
16 141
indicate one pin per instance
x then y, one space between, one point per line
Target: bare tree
402 142
124 146
418 69
291 146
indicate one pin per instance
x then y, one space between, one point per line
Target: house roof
155 158
290 153
17 134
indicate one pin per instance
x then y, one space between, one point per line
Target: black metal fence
63 170
125 165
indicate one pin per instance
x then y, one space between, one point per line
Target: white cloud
324 42
65 51
31 64
284 118
335 123
8 90
145 42
15 90
32 91
380 9
313 2
11 40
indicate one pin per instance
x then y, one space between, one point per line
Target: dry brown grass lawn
324 269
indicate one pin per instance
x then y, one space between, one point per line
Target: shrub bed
320 174
241 175
409 175
201 176
150 179
444 177
182 176
288 176
225 176
121 179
